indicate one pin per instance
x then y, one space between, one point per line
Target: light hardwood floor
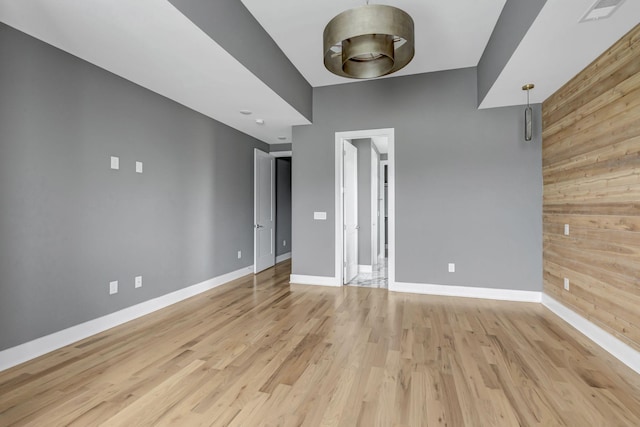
259 351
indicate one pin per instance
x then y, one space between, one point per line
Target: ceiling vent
601 9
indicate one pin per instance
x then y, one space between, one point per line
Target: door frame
339 208
257 152
381 204
374 191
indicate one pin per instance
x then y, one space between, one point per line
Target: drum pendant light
368 41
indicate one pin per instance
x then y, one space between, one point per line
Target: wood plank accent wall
591 171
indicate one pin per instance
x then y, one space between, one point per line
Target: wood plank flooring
261 352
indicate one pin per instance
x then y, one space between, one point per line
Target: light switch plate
115 162
566 229
113 287
138 281
139 167
566 284
239 254
320 216
452 267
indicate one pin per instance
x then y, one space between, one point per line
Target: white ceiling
556 48
381 143
454 34
151 43
449 34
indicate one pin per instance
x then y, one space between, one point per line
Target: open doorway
272 208
375 263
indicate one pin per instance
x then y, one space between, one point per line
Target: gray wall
69 224
514 22
234 28
468 188
283 205
364 199
274 148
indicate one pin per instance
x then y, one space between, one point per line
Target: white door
264 211
375 213
350 195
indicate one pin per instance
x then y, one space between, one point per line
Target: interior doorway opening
369 199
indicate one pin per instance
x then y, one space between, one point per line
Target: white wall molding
467 292
30 350
314 280
283 257
604 339
362 268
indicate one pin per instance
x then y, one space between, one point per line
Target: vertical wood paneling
591 170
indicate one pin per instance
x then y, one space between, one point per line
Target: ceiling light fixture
260 121
245 112
601 9
282 138
528 112
368 41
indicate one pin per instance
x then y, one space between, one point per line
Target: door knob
259 226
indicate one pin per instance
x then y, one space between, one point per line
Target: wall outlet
113 287
566 284
139 167
452 267
239 254
138 282
320 216
115 162
566 229
284 243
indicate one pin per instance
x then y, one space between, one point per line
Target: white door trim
339 165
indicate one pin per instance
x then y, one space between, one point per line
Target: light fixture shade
368 41
528 114
528 126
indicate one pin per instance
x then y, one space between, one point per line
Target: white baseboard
365 268
283 257
30 350
467 291
314 280
604 339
